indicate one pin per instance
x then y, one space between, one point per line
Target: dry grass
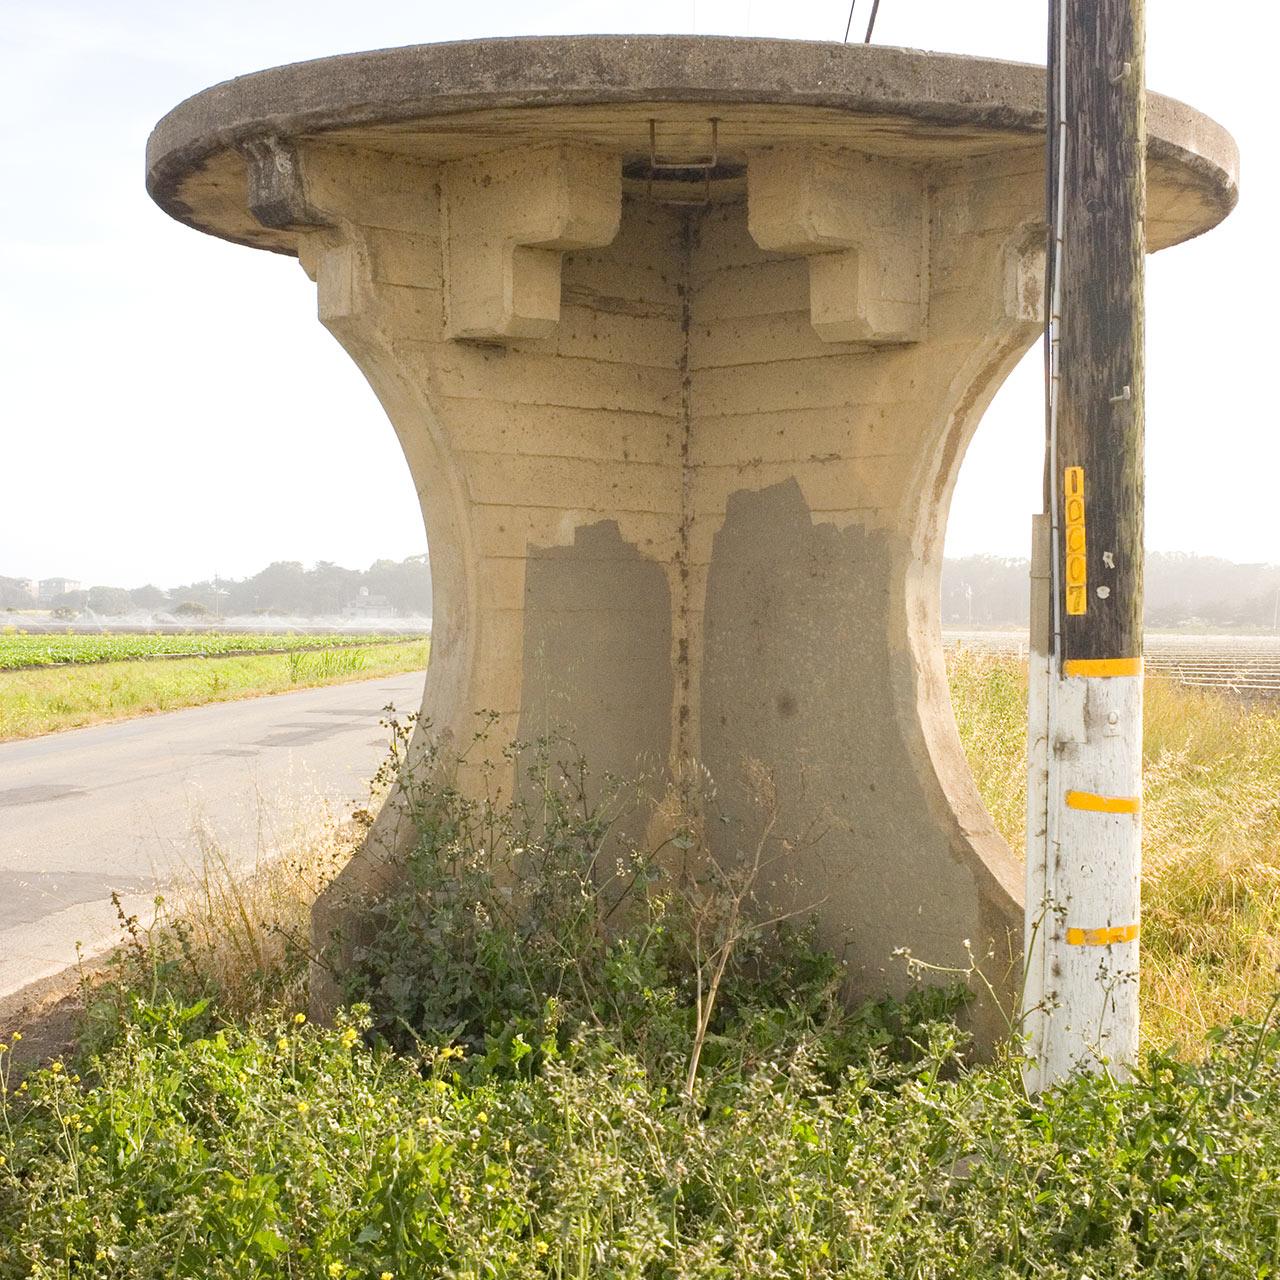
232 923
248 928
1211 836
234 928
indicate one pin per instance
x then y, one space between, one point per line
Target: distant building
50 587
29 586
369 606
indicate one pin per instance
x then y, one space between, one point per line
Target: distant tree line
284 588
1181 591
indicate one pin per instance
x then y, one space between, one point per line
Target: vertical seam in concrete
442 207
683 743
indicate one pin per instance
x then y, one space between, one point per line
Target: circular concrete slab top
441 101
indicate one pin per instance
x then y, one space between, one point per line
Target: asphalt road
131 806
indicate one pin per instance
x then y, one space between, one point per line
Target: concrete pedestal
685 437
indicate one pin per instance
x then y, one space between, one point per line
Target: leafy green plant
278 1149
22 650
514 921
576 1058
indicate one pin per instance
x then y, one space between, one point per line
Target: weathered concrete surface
849 92
685 445
597 651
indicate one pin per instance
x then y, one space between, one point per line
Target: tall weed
514 920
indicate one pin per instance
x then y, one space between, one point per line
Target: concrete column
683 471
685 440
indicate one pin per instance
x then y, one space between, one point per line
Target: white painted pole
1095 848
1084 835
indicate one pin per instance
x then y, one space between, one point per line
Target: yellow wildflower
283 1044
303 1107
349 1037
299 1019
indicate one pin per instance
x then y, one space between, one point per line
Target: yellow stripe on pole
1091 803
1077 564
1102 937
1102 667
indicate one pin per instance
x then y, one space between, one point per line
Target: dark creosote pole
1084 806
1100 408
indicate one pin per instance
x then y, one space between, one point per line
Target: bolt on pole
1084 847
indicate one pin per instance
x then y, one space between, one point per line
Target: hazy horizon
171 400
1180 590
195 579
210 575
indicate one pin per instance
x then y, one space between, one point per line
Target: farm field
1211 835
20 650
45 698
1245 665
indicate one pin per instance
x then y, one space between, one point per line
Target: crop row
19 651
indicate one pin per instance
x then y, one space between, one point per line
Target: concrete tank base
684 340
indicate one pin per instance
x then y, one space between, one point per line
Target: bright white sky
169 406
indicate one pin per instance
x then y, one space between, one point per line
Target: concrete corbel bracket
1023 273
277 193
342 282
863 224
509 215
328 249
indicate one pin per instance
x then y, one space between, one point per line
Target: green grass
20 650
43 699
281 1150
529 1093
1211 836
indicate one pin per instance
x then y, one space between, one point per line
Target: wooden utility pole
1085 741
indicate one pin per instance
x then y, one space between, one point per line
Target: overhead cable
848 25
